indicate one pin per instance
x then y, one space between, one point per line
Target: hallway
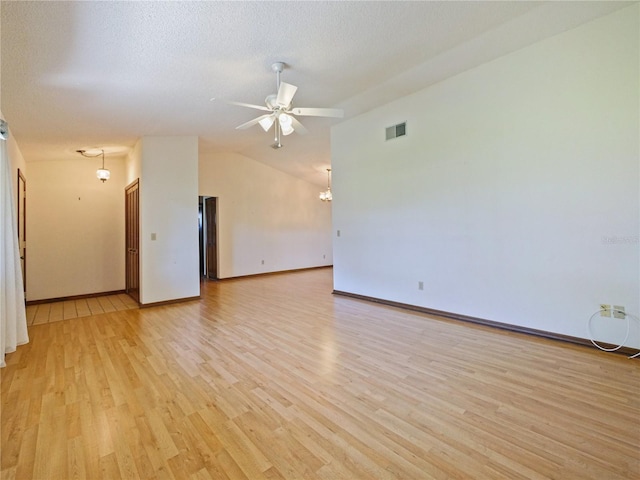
65 310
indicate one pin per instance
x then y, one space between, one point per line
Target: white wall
134 163
265 214
75 228
169 209
514 196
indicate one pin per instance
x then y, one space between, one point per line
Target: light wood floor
65 310
274 378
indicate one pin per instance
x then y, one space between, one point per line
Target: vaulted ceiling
102 74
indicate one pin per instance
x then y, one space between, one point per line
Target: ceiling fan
281 111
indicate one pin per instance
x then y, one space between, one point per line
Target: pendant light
326 195
103 174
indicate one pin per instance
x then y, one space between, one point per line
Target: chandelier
326 195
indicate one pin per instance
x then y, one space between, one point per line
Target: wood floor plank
57 312
69 310
31 311
275 378
117 302
76 466
106 304
24 468
42 314
94 306
82 307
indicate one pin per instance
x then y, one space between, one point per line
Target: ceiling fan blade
253 122
298 127
285 94
250 105
318 112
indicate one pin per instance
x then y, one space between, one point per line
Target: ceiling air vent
399 130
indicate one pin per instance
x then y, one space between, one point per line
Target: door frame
22 226
206 230
129 289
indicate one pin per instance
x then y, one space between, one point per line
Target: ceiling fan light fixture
266 123
287 131
286 123
285 120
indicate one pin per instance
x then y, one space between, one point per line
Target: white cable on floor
627 316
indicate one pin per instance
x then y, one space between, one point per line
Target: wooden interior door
132 239
210 209
22 226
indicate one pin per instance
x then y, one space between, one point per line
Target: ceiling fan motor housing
271 101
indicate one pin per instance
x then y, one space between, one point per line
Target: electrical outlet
262 262
605 310
420 285
618 311
338 233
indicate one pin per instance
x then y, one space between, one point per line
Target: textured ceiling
94 74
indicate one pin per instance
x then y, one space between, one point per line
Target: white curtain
13 319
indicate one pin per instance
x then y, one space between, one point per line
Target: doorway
132 239
209 237
22 227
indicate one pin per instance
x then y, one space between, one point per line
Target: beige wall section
265 214
75 228
168 218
